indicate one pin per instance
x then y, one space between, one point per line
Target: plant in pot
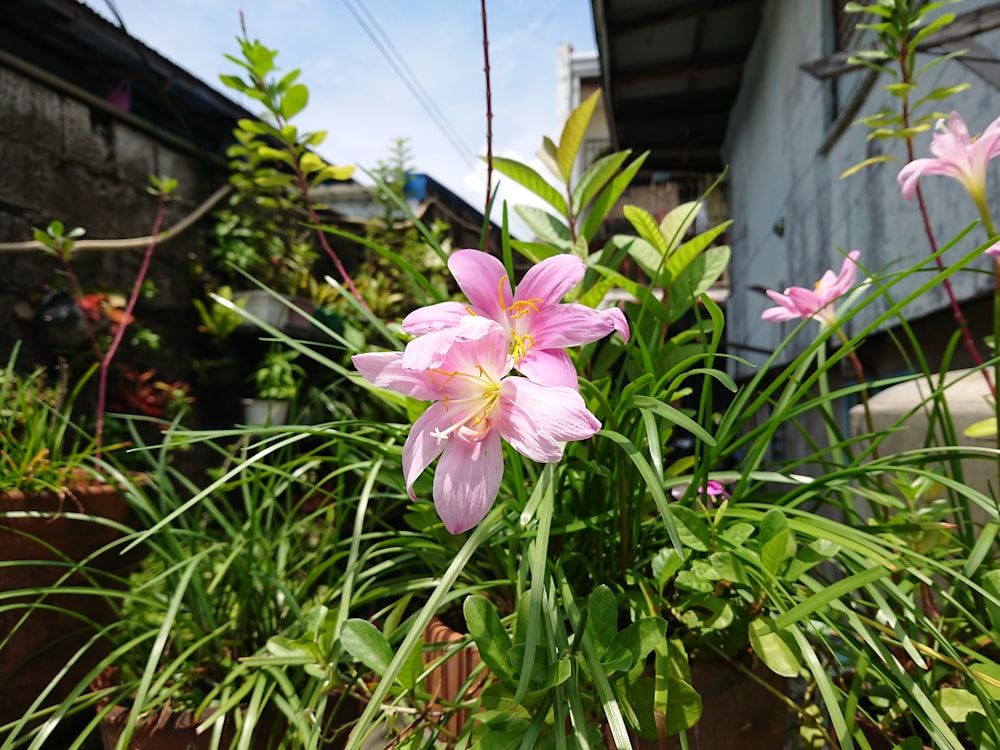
230 632
60 519
276 381
270 231
612 588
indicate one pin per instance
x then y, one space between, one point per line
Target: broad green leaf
692 529
365 642
534 251
646 227
607 198
547 155
957 703
315 139
991 582
331 172
546 226
938 23
775 648
776 541
572 134
677 222
981 429
641 637
681 257
683 706
596 177
490 636
311 162
980 732
700 275
234 82
294 100
602 618
648 258
275 154
527 177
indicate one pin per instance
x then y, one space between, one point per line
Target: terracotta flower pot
36 645
446 681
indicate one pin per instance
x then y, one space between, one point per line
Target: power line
384 44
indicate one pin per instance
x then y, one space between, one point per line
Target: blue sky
358 97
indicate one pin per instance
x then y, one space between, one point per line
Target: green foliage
900 28
41 444
277 376
265 231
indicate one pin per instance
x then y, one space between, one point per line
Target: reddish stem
956 309
489 126
102 382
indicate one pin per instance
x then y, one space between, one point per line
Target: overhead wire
384 44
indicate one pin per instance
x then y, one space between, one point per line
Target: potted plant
232 629
276 382
60 520
617 568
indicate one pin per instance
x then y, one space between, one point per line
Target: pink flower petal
467 480
549 367
385 370
421 446
549 280
434 318
483 280
536 419
573 325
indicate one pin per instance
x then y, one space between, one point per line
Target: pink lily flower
799 302
993 250
477 402
956 155
539 326
712 488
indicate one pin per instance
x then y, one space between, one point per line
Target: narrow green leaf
572 134
547 155
821 598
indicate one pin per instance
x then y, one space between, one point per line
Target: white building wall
777 174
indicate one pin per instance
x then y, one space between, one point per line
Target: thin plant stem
109 355
956 309
489 125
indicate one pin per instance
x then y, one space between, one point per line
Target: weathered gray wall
778 172
85 166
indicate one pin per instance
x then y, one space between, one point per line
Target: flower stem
102 381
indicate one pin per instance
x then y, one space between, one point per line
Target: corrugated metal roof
671 70
72 43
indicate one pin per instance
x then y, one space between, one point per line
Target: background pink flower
799 302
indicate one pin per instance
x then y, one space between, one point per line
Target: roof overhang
671 71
